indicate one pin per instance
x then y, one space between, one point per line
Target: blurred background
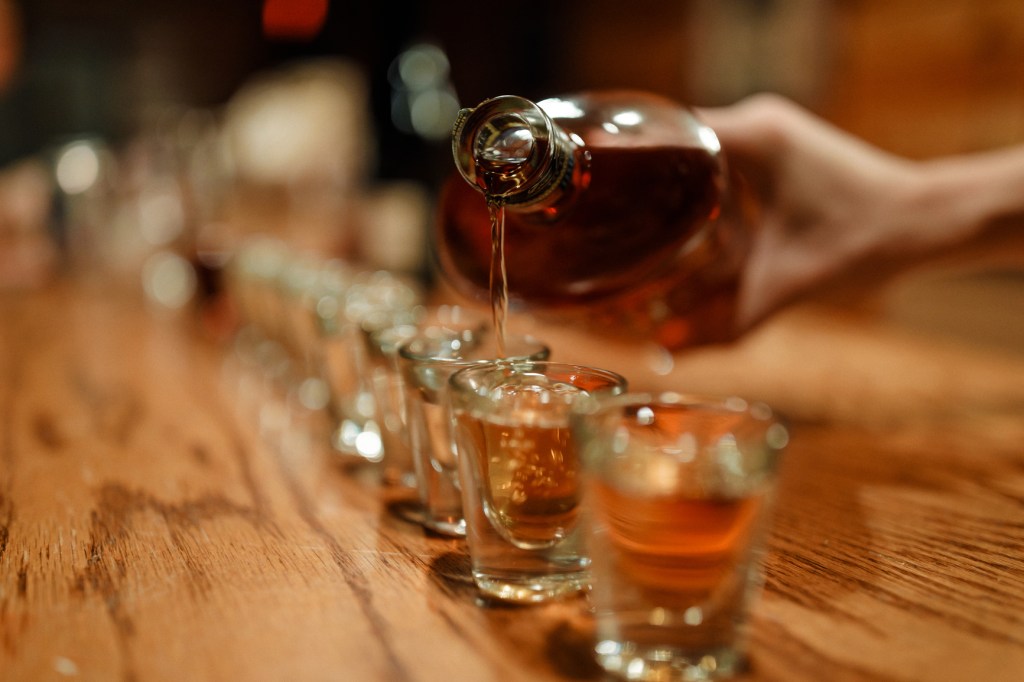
129 129
918 77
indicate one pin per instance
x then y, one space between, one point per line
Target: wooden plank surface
150 529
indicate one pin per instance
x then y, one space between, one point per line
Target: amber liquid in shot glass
520 476
677 494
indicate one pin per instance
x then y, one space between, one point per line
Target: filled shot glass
677 498
427 361
521 475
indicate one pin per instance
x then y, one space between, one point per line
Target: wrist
959 198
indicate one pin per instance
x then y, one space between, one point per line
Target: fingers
758 124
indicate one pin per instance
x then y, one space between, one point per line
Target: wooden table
150 530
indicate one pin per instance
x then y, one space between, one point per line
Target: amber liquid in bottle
640 203
607 250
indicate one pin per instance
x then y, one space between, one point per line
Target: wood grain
151 529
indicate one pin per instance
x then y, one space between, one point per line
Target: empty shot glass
385 379
427 361
341 311
521 475
382 337
677 497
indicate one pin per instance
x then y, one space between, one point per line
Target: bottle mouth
505 143
502 145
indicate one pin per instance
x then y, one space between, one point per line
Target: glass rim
471 335
457 379
736 404
755 410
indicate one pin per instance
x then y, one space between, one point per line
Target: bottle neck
509 149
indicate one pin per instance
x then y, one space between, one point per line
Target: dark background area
102 67
917 77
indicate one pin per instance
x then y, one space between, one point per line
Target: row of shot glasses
561 480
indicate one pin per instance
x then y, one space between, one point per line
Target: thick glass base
631 661
455 528
531 589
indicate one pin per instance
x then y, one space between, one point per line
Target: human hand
828 200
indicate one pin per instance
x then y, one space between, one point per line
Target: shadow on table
556 637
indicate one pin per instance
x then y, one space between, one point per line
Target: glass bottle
619 213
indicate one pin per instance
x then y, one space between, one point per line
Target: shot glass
382 336
427 361
385 379
355 433
678 492
520 475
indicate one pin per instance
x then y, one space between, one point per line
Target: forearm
960 199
